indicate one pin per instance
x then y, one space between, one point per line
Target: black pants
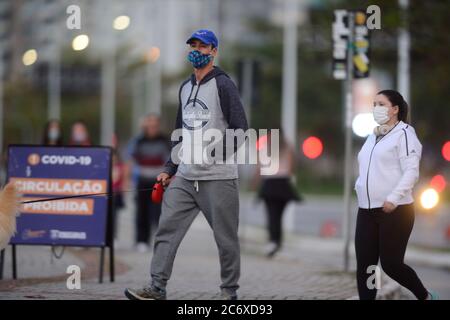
147 212
275 209
384 236
118 203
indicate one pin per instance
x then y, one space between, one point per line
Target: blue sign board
45 172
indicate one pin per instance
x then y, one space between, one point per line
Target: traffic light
312 147
446 150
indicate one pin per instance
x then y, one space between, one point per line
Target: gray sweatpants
183 199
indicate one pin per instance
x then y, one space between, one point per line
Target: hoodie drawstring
196 185
190 94
196 94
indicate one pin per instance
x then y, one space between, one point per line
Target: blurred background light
29 57
80 42
438 183
429 198
261 143
152 55
363 124
446 151
121 22
312 147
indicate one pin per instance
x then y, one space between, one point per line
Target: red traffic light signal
446 151
312 147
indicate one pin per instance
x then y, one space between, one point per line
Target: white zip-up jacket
389 168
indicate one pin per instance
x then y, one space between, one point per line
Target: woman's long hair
397 100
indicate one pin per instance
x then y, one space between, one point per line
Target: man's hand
164 178
388 207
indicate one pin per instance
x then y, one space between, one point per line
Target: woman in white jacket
388 170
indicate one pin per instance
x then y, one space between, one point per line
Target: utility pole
108 96
348 169
289 92
404 44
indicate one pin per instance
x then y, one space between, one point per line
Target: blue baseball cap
205 36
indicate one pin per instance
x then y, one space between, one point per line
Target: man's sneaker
229 296
146 293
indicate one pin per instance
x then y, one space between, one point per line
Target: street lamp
108 101
29 57
80 42
121 22
152 55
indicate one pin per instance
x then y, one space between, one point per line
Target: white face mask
79 136
380 114
53 134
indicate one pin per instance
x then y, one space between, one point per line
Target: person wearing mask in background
388 170
208 100
277 191
53 133
147 153
79 134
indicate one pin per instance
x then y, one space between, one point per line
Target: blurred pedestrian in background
389 164
277 190
79 134
52 133
148 153
118 183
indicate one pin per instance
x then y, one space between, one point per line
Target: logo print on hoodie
196 115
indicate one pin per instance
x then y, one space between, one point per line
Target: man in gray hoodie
207 100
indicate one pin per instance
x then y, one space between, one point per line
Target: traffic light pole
348 141
289 89
404 44
54 86
108 104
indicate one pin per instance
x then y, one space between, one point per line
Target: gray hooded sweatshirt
214 103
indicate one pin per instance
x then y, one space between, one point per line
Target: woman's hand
388 207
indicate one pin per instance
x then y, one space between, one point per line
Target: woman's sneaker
229 296
146 293
433 295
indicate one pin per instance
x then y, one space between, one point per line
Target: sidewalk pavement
306 268
195 276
